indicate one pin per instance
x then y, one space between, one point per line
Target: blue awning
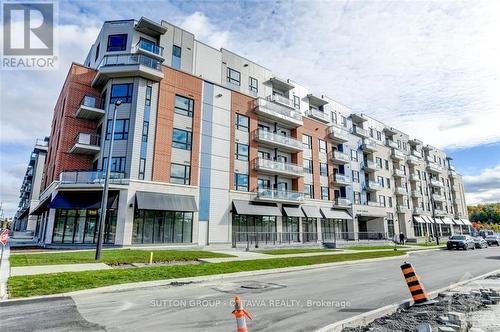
82 200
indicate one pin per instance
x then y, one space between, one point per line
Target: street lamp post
104 199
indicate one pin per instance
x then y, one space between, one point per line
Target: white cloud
483 188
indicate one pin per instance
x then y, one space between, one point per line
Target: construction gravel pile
407 319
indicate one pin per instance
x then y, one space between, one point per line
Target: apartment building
31 187
210 147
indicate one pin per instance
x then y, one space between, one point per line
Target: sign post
4 237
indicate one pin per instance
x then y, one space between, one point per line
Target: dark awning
293 211
312 211
165 202
438 221
255 209
41 207
428 219
458 221
335 214
448 221
82 200
419 219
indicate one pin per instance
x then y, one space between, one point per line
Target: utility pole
104 199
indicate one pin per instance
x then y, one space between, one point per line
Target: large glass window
233 76
176 57
325 193
181 139
121 129
184 106
322 145
308 166
308 191
80 226
162 227
241 151
323 169
180 174
260 228
263 183
240 182
306 142
253 85
242 122
142 168
296 102
290 229
121 92
309 229
117 43
117 164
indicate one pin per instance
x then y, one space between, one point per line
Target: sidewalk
4 273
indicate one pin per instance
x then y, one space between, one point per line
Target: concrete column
50 226
124 220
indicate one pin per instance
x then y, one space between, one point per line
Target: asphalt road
292 301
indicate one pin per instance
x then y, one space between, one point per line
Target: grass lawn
428 244
294 251
374 247
110 256
44 284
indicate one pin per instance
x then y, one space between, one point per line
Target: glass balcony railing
373 185
438 198
280 99
397 154
92 101
341 179
342 201
414 177
416 153
418 210
338 134
403 209
88 139
435 167
399 173
413 160
129 59
359 131
282 195
149 47
339 156
278 111
278 167
372 203
400 191
318 115
416 193
89 177
371 166
265 135
391 144
436 183
369 145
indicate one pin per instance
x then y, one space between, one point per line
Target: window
184 106
308 191
325 194
379 135
355 176
242 122
306 142
389 199
388 183
241 152
121 92
386 164
97 52
117 164
379 162
296 102
121 129
253 85
371 132
181 139
117 43
354 155
233 76
381 200
241 182
323 169
176 57
322 146
308 166
145 131
357 197
142 168
180 174
334 117
264 154
380 180
344 120
263 184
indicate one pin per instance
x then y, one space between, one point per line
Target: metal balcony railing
92 101
373 203
278 166
416 193
129 59
282 195
265 135
88 139
89 177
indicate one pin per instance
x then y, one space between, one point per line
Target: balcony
283 100
438 198
434 167
342 201
127 65
86 143
272 167
414 177
374 204
360 132
339 158
439 212
454 174
341 180
273 140
403 209
436 183
278 112
150 49
370 166
373 186
337 134
318 115
418 210
91 108
397 154
391 144
416 194
399 173
412 160
369 145
400 191
280 195
416 153
90 177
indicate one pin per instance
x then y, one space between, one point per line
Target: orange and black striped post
240 314
416 288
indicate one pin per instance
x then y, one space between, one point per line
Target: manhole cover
249 286
255 285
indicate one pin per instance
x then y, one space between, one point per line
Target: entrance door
363 230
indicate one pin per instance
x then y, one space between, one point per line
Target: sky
430 69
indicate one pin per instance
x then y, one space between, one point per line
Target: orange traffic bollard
417 290
240 314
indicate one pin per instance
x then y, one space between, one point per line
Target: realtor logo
28 35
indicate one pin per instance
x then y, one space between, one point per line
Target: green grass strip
380 247
44 284
111 257
294 251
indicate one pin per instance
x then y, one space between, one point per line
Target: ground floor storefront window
417 228
254 228
80 226
332 229
154 226
310 229
390 228
445 230
291 229
457 229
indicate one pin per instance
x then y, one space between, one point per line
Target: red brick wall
65 126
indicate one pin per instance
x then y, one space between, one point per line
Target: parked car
480 243
492 239
464 242
485 232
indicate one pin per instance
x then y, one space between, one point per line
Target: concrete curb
164 282
368 317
